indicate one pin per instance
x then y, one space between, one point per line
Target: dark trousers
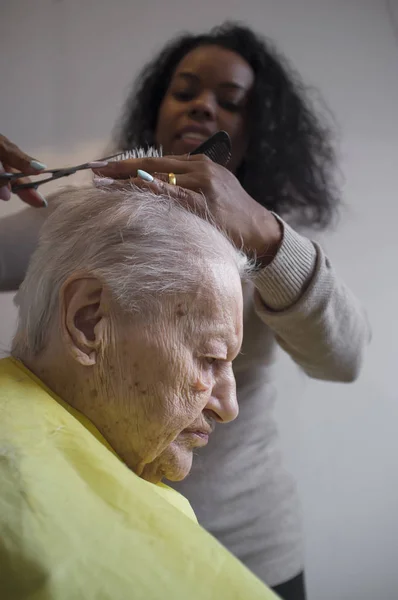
294 589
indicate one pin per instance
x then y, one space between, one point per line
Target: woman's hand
13 160
207 187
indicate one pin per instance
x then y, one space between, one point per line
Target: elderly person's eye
210 360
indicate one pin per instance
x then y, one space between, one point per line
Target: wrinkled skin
154 388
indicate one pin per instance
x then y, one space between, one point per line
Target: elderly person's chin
174 464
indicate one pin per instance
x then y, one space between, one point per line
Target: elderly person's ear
84 318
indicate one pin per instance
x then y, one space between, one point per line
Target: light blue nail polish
45 203
144 175
35 164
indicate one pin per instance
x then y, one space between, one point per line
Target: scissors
54 174
217 147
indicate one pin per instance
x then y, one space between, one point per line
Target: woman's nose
203 106
223 402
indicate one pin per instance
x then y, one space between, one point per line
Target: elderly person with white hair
130 316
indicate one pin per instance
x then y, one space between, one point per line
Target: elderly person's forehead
222 335
213 310
219 278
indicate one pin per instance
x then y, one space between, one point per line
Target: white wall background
65 67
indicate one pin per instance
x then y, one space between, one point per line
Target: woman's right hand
13 160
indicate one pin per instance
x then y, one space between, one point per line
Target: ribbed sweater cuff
282 282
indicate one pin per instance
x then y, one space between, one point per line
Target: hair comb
218 147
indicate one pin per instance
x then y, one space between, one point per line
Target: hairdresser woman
282 166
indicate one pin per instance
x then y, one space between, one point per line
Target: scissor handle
11 176
33 185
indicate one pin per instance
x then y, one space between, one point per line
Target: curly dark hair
289 166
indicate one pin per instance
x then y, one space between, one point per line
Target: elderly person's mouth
198 436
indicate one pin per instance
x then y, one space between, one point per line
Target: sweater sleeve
19 234
315 317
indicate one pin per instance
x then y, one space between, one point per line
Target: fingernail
35 164
144 175
42 198
103 181
98 164
5 193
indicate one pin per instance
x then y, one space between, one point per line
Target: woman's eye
231 106
183 96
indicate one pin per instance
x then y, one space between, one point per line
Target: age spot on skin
181 311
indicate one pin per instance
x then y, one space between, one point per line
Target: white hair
141 245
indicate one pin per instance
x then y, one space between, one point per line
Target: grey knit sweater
238 487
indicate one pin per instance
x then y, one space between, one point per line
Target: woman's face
209 92
170 379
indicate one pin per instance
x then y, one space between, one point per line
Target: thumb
5 192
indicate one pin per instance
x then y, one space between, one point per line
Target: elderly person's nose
223 402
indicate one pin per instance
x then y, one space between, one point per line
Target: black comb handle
218 147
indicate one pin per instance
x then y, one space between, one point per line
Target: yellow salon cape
77 524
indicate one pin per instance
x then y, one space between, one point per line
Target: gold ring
172 179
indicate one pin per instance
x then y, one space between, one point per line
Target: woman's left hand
205 186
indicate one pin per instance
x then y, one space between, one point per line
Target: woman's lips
199 137
190 137
185 144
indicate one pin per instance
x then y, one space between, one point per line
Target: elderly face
169 380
